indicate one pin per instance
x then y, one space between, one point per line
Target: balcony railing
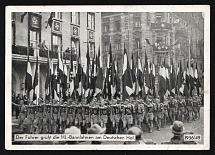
44 53
22 50
54 54
160 47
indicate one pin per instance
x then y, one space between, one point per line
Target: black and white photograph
107 77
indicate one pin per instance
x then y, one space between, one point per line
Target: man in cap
134 104
39 117
149 113
165 112
73 130
78 115
25 99
16 103
195 107
139 115
103 113
178 134
86 114
22 113
62 116
45 119
138 137
94 111
115 114
158 114
127 117
96 129
70 113
181 108
172 109
48 111
189 108
55 116
31 112
200 99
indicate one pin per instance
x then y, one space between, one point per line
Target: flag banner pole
36 73
49 73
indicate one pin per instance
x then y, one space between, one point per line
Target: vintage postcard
117 77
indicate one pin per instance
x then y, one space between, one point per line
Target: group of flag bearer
85 96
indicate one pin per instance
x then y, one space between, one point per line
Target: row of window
57 42
118 47
117 24
34 31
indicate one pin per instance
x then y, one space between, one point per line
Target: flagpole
37 73
49 72
27 93
137 75
189 56
69 74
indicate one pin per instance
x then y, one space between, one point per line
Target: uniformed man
115 114
199 106
78 115
86 115
158 114
189 108
134 104
13 101
70 114
165 112
127 116
55 116
94 111
25 98
172 109
121 114
40 99
153 100
45 120
103 114
16 103
31 110
181 108
39 117
48 110
149 113
22 114
195 107
63 116
139 115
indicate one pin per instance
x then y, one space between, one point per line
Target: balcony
22 50
54 55
161 26
160 47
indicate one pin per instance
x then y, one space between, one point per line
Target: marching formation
114 103
56 117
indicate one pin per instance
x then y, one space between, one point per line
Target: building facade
171 35
40 32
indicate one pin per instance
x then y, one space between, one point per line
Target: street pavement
197 127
